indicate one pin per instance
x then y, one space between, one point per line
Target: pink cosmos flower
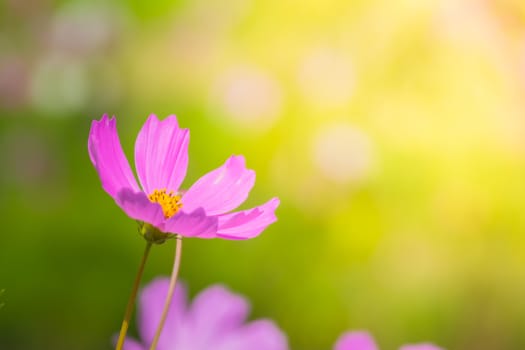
159 205
214 320
363 341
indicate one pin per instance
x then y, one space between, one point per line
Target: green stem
171 289
132 297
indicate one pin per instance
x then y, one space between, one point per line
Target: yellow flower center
169 201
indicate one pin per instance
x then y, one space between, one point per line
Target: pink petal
151 304
195 224
355 341
108 158
130 344
137 206
222 189
257 335
247 223
424 346
161 154
215 312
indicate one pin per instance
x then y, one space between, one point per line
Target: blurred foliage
1 302
392 131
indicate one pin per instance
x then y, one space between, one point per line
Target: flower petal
161 154
194 224
424 346
247 223
137 206
151 305
257 335
130 344
215 312
108 158
222 189
355 341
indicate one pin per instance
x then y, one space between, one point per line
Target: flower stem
132 297
171 289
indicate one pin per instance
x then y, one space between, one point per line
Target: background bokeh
392 131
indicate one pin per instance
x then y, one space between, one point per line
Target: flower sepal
153 234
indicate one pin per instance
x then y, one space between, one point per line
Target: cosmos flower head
363 341
160 206
214 320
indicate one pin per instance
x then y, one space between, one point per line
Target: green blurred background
392 131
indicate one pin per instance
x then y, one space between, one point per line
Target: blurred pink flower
364 341
214 320
161 160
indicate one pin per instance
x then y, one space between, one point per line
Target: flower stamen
169 201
